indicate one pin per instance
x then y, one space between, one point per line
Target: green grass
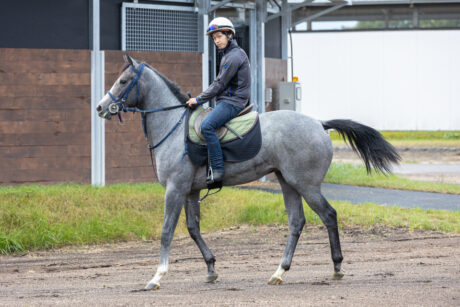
356 175
414 138
43 217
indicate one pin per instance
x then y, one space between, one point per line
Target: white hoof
211 277
338 275
274 280
152 286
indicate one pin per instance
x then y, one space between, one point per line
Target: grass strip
413 135
413 138
43 217
356 175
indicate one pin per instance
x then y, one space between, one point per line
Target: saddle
240 138
237 126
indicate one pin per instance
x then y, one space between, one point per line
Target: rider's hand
191 102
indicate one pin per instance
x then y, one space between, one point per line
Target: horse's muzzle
103 113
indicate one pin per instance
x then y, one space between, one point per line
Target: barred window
156 28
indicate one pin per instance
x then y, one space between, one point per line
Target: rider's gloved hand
192 102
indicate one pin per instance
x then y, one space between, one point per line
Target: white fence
390 80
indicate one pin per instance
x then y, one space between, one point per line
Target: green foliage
411 135
42 217
452 135
356 175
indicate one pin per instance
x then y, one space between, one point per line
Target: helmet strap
228 37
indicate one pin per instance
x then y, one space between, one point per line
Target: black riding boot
214 176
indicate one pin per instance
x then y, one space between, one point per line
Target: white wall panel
391 80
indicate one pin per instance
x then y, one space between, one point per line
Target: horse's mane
173 87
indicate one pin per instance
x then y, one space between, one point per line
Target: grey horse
295 147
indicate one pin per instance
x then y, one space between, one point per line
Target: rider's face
220 39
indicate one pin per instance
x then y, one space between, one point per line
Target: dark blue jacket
233 84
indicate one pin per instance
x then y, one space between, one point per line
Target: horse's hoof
152 286
211 277
275 281
338 275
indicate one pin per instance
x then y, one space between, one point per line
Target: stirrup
211 181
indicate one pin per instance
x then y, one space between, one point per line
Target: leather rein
118 104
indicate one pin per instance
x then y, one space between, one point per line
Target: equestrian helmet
220 24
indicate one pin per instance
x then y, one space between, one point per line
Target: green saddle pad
241 125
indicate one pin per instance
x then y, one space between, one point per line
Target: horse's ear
128 59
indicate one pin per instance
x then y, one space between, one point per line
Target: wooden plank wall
275 72
45 116
127 156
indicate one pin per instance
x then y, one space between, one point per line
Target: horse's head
125 92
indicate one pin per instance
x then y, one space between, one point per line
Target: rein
118 105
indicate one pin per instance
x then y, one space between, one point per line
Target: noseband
118 104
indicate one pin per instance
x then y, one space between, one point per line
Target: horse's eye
122 81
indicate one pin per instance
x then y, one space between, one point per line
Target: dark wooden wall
44 116
127 156
45 122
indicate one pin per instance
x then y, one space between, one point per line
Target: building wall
45 122
48 24
275 72
45 132
395 80
273 38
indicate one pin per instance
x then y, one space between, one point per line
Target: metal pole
204 20
97 92
285 25
415 18
253 57
215 7
213 50
261 15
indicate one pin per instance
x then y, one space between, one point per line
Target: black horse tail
367 142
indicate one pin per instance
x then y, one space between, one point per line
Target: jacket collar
231 45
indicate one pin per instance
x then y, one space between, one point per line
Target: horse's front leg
192 212
174 200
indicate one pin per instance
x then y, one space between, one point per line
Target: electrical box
290 96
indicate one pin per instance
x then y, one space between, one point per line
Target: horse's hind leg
328 215
296 216
192 212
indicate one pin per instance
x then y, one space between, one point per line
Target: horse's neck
159 124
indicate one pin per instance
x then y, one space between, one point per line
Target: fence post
97 92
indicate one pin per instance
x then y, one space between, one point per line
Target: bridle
118 104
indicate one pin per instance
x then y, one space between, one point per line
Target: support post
415 18
285 25
97 92
204 6
253 57
261 15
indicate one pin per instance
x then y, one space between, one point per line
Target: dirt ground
385 267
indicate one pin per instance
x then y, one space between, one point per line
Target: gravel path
385 267
361 195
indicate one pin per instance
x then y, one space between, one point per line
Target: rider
231 88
